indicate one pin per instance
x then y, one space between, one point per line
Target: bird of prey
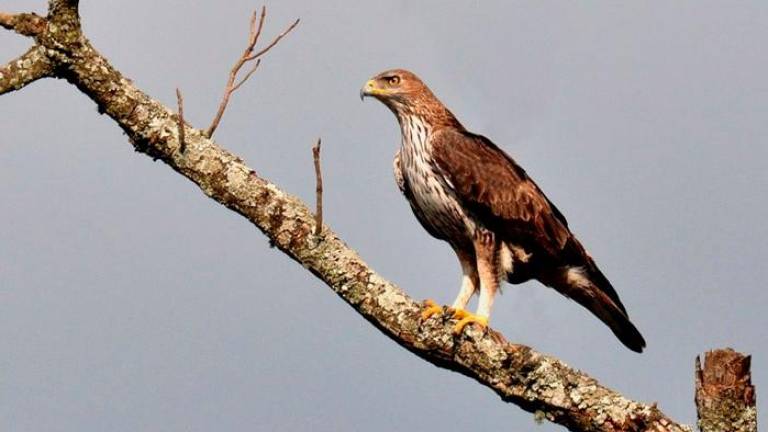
467 191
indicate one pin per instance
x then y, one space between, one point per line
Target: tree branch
28 68
536 382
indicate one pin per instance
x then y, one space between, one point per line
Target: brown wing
504 199
498 191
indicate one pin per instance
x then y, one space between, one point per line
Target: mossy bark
29 67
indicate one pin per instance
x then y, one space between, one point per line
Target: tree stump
725 396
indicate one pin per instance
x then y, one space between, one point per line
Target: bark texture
28 24
28 68
536 382
725 396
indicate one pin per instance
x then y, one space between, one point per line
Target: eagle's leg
487 261
469 280
469 284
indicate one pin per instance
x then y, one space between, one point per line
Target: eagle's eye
393 80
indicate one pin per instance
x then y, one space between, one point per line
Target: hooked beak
370 89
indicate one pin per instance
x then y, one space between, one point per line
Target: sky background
129 301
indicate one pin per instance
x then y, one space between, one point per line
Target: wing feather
498 191
398 170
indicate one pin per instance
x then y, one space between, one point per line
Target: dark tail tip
620 325
617 320
629 335
606 305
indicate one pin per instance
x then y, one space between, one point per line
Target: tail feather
597 295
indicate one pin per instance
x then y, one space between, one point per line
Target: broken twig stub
318 189
182 138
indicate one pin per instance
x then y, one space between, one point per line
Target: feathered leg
469 280
487 261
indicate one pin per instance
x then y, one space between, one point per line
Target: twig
25 24
182 138
257 24
275 41
318 189
6 20
248 75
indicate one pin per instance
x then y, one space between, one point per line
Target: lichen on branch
25 24
28 68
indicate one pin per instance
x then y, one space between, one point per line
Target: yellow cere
371 88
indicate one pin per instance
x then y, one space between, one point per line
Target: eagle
467 191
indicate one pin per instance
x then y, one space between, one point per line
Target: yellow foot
459 314
431 308
465 318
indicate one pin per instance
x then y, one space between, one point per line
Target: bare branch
248 75
275 41
318 189
28 68
180 105
8 21
256 27
255 32
253 38
25 24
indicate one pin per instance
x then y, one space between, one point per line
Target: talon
469 318
432 308
460 314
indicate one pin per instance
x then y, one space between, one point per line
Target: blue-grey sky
129 301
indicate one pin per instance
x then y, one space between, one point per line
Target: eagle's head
406 95
393 84
398 89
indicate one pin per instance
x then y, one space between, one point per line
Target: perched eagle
465 190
